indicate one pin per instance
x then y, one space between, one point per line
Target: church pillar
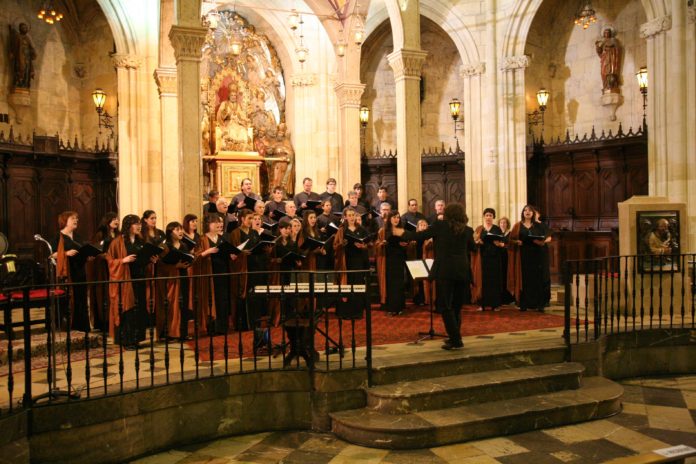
407 64
671 149
512 127
131 182
187 42
306 109
172 210
472 138
349 95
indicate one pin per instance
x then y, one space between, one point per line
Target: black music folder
175 255
146 252
229 249
490 238
529 239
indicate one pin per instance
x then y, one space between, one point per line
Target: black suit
451 271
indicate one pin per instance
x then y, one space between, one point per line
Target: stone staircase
460 397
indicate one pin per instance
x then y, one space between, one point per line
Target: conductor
453 241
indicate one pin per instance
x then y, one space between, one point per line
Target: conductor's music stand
420 272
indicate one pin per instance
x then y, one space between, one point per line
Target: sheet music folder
419 268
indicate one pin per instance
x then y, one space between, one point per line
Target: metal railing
273 321
627 294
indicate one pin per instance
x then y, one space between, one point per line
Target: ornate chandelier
49 13
585 16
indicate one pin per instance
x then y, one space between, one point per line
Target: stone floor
658 413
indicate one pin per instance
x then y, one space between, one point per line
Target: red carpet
393 329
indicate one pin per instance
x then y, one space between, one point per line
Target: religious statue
232 123
261 141
282 151
609 51
205 132
22 55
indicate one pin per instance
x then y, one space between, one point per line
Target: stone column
305 108
131 140
165 77
512 124
472 140
407 64
349 95
187 42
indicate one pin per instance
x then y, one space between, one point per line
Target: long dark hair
126 224
457 218
170 229
388 225
187 222
145 230
532 208
103 230
210 219
305 224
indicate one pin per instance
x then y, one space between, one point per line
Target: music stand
53 391
420 271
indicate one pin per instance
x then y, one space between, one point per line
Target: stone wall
72 60
564 61
439 85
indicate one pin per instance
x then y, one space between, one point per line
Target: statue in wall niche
281 149
205 132
233 123
609 51
22 55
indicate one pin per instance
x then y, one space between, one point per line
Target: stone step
596 398
443 363
480 387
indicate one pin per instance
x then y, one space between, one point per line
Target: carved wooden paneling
39 185
442 178
578 185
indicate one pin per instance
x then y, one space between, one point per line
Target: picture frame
658 241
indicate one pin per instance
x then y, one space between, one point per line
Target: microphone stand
53 391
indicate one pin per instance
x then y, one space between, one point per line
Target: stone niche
73 58
564 62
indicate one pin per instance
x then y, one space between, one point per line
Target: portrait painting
658 240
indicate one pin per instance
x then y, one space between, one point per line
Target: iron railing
628 293
300 306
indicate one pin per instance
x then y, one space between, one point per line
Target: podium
230 167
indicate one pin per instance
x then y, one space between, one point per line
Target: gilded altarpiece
243 130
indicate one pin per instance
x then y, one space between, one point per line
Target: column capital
691 14
472 69
303 80
166 81
511 63
349 94
126 60
655 26
407 63
187 42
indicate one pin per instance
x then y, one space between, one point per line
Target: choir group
244 243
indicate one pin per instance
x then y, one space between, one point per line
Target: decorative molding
166 81
655 26
691 14
303 80
126 61
187 42
407 64
349 94
472 70
511 63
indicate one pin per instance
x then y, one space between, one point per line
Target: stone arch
121 26
446 17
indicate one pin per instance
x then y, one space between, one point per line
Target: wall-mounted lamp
537 117
364 118
642 77
99 98
455 111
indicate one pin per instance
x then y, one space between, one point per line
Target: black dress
535 271
356 259
395 278
506 296
220 263
78 275
134 322
491 275
259 261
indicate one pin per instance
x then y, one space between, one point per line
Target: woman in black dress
70 268
98 271
504 224
489 277
351 253
392 279
526 261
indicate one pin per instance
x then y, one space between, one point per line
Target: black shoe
523 309
450 347
130 347
540 309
